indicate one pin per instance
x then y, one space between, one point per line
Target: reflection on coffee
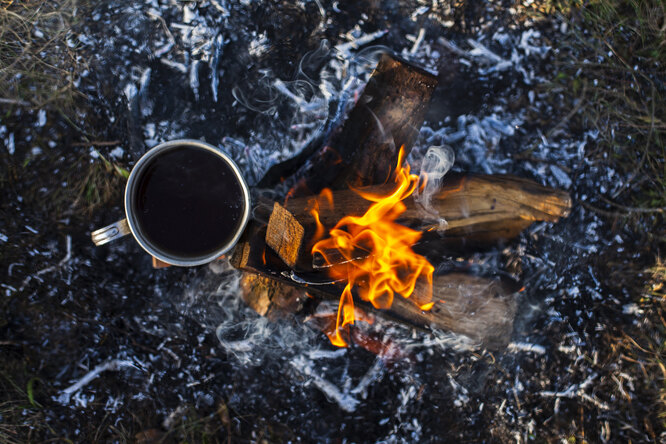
189 203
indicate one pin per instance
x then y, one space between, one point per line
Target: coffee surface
189 202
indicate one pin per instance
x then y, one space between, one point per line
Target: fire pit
425 260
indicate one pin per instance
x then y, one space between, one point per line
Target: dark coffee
188 202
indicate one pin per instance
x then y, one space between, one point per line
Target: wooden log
480 308
362 152
479 210
477 307
271 298
364 149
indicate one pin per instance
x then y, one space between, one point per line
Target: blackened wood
388 115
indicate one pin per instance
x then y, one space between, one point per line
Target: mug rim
134 225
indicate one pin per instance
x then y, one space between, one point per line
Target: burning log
386 116
369 257
480 308
479 210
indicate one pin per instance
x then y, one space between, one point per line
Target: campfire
390 267
352 229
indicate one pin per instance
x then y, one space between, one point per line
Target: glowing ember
391 268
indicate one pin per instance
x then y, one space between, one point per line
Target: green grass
22 417
614 61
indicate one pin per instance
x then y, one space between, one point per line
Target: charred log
386 116
480 308
478 210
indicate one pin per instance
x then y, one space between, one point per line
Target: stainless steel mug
181 221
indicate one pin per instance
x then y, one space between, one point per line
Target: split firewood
267 296
480 308
477 209
364 148
281 231
271 298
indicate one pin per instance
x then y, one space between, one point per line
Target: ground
568 94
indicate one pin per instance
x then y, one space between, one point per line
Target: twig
97 143
418 41
114 364
600 211
578 390
629 210
633 209
14 102
525 347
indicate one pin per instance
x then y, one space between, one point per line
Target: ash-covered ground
103 348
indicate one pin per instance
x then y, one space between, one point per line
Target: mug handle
110 232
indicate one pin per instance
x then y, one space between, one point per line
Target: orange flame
392 267
327 196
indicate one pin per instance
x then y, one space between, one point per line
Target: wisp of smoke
436 163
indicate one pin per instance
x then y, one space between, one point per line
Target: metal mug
130 224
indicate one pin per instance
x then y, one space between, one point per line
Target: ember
391 267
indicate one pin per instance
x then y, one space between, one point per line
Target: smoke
436 163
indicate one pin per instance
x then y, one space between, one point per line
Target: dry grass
22 416
40 62
615 62
102 183
641 352
655 300
38 58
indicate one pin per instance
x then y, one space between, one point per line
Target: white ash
526 347
356 40
9 143
41 118
345 400
117 153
